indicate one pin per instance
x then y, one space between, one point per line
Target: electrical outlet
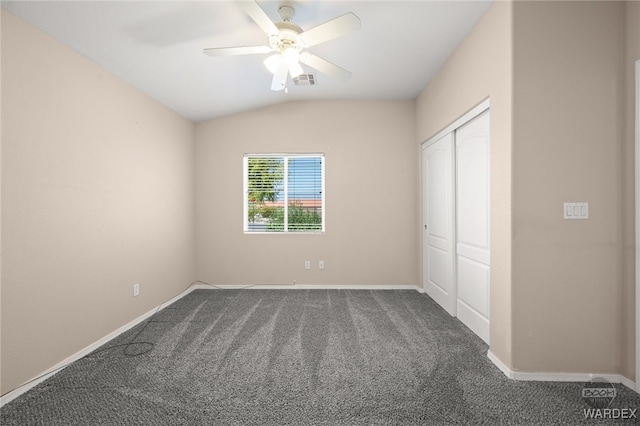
320 264
136 290
307 264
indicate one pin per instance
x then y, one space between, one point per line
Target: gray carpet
298 357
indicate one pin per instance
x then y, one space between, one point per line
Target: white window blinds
284 193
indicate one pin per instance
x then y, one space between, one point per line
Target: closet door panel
472 224
438 244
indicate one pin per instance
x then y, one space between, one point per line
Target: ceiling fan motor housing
287 36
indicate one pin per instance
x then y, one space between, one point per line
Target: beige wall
480 69
97 194
568 146
371 197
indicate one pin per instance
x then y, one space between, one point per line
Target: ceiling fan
287 42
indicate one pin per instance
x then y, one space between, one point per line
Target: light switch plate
573 211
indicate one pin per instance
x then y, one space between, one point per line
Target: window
284 193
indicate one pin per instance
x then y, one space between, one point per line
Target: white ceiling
157 46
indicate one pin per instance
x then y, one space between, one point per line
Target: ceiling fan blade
324 66
241 50
279 81
259 16
335 28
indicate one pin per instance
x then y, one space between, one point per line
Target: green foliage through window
300 219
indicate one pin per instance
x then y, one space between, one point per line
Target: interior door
472 224
438 270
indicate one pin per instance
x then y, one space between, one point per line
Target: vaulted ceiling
157 46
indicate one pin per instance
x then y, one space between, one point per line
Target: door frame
459 122
637 220
484 105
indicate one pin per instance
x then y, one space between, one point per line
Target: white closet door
438 266
472 224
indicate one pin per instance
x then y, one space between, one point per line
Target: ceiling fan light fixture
291 57
295 69
273 63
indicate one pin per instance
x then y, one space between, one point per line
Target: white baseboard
306 287
10 396
558 377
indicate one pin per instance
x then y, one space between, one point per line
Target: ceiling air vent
305 80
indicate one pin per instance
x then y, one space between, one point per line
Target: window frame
285 157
